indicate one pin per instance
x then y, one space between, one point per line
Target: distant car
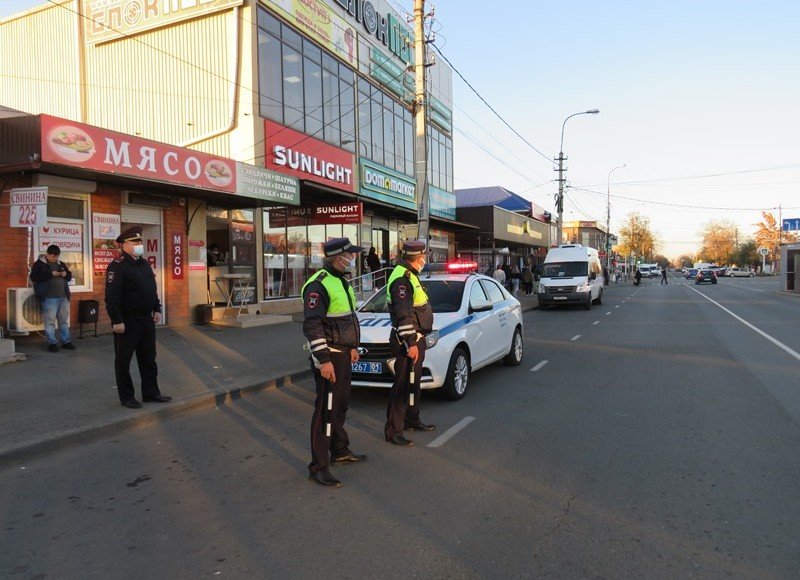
476 322
704 276
739 273
691 273
720 271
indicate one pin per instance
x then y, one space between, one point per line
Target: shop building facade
510 230
78 186
316 91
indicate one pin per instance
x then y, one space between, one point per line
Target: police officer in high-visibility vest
412 320
331 328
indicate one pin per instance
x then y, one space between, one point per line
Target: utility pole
420 129
560 197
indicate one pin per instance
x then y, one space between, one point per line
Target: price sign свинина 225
28 207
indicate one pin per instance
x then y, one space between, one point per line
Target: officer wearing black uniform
331 328
412 320
133 306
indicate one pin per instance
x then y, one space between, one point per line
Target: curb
62 441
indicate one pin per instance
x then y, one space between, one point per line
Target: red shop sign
78 145
177 255
307 158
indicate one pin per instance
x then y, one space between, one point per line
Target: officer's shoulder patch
401 290
110 277
312 299
119 259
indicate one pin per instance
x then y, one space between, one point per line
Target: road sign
28 207
763 251
791 224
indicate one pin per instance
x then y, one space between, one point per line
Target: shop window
312 86
269 77
377 131
293 88
296 248
330 98
274 248
68 228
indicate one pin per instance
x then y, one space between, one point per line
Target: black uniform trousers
322 445
399 413
140 338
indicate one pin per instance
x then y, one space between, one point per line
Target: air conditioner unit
24 311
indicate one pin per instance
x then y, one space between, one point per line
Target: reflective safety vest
420 298
341 303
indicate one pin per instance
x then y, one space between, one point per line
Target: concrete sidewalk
54 400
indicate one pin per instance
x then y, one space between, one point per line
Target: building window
302 86
68 228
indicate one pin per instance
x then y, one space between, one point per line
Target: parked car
740 273
476 322
720 271
704 276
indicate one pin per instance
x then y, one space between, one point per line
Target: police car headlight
432 339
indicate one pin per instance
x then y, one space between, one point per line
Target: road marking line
574 338
774 341
607 313
538 366
595 322
617 306
447 435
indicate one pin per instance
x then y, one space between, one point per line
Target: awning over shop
56 146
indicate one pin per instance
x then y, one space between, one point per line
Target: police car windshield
444 295
564 269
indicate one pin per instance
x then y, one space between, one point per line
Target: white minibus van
571 274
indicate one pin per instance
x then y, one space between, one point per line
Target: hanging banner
105 229
176 251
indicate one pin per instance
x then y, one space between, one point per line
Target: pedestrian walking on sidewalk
134 308
331 327
664 275
412 321
527 280
50 277
500 275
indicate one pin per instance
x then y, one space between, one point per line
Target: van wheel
455 385
514 356
599 297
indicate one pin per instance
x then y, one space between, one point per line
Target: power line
485 102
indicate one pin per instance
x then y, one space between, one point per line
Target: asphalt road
658 440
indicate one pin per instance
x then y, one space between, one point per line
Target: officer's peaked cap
338 246
130 235
412 248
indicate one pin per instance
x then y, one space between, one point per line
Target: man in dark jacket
412 321
331 327
50 277
134 308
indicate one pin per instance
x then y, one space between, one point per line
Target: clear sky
699 99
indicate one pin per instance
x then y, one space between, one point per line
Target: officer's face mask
138 250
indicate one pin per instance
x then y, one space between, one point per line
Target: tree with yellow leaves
769 235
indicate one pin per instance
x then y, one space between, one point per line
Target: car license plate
559 297
370 368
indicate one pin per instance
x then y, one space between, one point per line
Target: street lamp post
608 217
560 197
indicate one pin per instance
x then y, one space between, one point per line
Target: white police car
476 322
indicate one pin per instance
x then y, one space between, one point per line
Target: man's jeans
56 309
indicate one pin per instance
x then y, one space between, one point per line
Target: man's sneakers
66 346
